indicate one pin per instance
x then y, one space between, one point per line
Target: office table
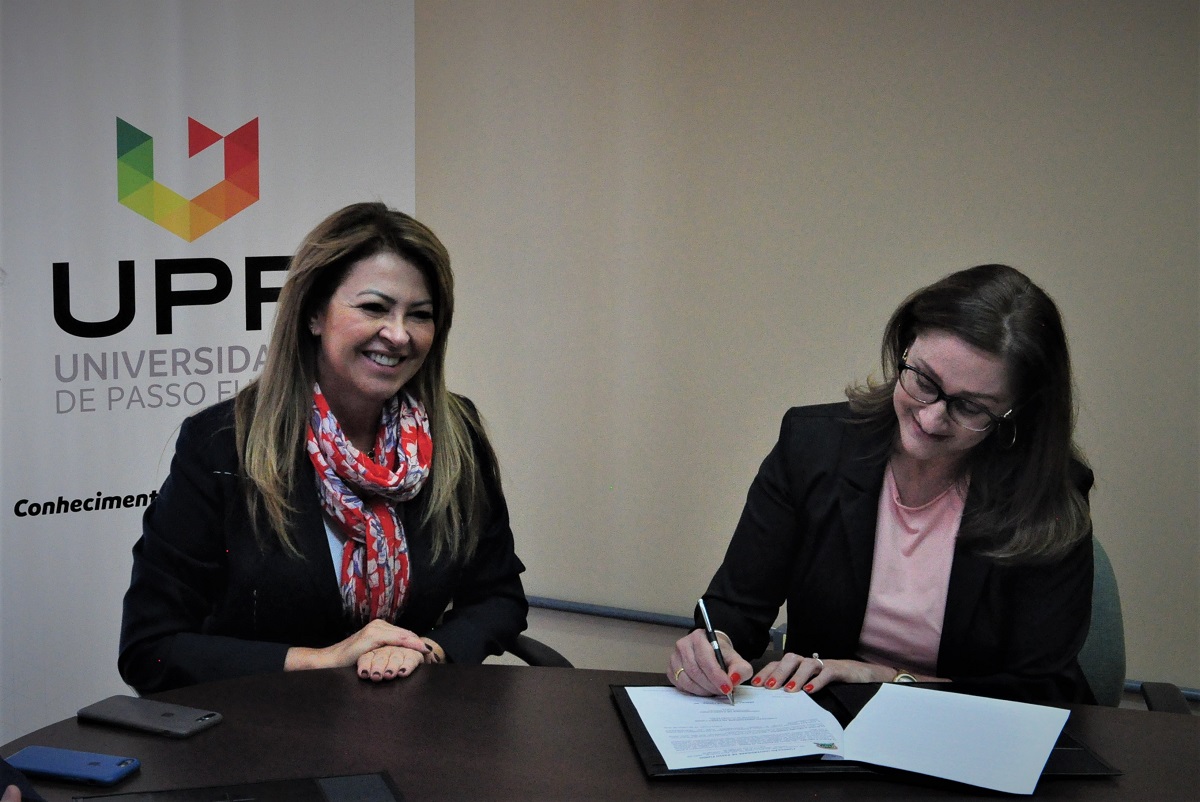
516 732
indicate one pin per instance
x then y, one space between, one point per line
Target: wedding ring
677 673
819 660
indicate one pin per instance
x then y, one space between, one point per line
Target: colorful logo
189 219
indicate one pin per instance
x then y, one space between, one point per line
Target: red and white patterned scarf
361 494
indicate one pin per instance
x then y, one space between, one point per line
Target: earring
1012 441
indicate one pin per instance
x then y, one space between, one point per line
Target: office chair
536 653
1102 657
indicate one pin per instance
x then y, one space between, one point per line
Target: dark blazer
206 601
807 537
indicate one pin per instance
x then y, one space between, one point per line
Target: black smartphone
148 715
67 764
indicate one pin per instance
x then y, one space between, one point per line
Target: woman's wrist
877 672
301 658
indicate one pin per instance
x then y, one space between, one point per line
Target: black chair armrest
536 653
1165 697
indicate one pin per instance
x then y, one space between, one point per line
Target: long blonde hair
271 413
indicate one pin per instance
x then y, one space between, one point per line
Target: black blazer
807 537
207 602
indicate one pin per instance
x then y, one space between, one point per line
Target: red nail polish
771 683
791 686
756 681
808 687
735 678
725 689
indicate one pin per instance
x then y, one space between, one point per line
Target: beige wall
672 220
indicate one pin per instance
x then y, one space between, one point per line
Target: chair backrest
536 653
1103 655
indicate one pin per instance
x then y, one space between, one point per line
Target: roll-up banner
159 162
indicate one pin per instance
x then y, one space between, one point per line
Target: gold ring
677 673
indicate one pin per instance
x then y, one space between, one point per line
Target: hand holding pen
695 668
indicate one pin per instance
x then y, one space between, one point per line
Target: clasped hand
693 667
379 651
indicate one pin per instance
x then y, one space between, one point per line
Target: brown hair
1020 474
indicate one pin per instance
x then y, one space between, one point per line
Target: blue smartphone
67 764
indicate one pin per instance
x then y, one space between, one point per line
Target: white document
990 743
693 731
970 739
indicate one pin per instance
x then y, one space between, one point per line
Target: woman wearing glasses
933 528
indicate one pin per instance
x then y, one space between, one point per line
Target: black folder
1069 758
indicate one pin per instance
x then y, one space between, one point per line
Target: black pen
712 638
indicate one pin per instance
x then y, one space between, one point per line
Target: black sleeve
745 594
489 607
180 571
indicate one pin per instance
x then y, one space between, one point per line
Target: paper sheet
985 742
693 731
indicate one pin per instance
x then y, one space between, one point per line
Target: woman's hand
810 674
11 794
389 662
693 666
376 635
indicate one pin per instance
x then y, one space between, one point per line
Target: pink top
914 547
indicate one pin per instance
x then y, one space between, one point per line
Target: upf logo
189 219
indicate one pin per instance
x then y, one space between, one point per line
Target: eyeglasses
966 413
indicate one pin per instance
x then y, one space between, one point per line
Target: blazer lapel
312 541
968 578
862 466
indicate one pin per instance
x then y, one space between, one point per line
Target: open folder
990 743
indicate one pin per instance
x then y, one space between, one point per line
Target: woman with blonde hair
344 509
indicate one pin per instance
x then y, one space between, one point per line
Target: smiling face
375 333
927 433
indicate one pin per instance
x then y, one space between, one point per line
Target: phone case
67 764
148 715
